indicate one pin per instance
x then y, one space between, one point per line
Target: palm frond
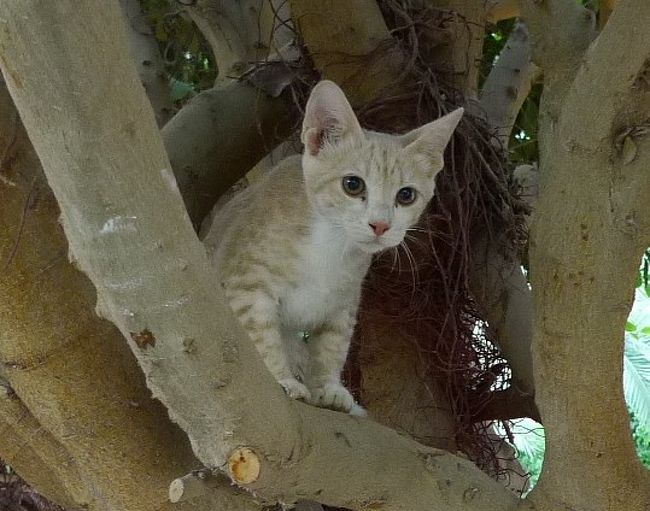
636 377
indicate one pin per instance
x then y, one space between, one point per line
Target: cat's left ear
431 139
329 118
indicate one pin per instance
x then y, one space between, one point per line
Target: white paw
358 411
294 389
333 395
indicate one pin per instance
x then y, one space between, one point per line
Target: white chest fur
331 276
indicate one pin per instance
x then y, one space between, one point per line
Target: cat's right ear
329 118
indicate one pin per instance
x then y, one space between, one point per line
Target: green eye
353 185
406 196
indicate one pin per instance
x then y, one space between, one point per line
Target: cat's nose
379 228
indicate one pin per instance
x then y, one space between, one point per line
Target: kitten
292 250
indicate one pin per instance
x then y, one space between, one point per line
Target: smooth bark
71 370
587 237
509 83
220 135
148 61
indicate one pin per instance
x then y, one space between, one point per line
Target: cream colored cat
292 250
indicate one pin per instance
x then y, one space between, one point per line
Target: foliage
187 55
641 436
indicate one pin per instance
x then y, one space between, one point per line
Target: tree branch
508 404
561 32
72 370
128 228
36 455
217 137
605 10
242 32
463 55
351 45
145 52
509 83
501 291
498 10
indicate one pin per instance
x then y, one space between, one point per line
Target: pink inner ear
313 140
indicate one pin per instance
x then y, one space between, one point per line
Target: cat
292 250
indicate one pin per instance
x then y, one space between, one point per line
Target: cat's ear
328 118
431 139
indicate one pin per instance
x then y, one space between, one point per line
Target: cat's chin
373 246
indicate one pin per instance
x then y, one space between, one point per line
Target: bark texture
35 454
130 233
467 24
96 422
587 237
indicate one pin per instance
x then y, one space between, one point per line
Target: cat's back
263 218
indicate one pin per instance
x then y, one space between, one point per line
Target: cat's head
372 185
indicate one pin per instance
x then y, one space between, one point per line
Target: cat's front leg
328 348
257 311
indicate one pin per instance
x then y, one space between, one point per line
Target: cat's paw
333 395
358 411
295 390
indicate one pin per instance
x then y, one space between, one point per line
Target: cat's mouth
375 245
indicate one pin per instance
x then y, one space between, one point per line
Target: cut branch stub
244 465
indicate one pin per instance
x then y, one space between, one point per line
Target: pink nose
379 228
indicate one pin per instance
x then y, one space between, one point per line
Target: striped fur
292 250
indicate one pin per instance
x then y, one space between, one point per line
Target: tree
77 404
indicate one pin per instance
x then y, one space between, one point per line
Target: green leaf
630 327
636 378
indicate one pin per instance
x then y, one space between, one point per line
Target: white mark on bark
176 303
119 224
126 285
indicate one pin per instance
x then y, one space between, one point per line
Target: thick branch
128 228
498 10
508 404
606 7
350 45
560 32
463 55
148 61
36 455
216 138
501 290
588 233
71 369
241 32
508 84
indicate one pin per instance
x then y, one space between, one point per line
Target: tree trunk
587 238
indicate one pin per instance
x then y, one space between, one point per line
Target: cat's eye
353 185
406 196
